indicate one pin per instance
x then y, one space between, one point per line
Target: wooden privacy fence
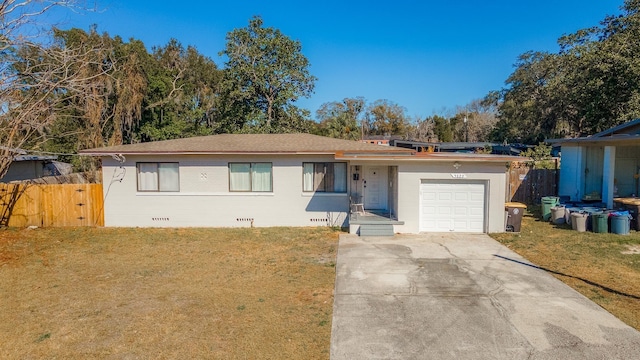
527 185
47 205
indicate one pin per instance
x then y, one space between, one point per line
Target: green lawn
603 267
89 293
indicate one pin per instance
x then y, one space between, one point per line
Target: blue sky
428 56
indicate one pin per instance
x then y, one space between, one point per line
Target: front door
375 188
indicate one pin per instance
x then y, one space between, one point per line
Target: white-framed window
324 177
253 177
158 176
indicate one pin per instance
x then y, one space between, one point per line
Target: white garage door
452 206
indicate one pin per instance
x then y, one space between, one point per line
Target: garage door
452 206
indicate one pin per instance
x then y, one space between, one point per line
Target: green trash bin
599 223
547 203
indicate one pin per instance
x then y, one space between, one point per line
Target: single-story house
602 166
235 180
26 166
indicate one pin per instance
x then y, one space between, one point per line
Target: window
254 177
158 177
325 177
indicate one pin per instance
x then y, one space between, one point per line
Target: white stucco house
602 166
240 180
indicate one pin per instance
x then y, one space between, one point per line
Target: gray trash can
579 221
557 215
514 216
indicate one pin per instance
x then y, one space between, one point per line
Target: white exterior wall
572 173
410 177
204 199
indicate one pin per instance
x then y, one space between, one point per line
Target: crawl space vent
319 220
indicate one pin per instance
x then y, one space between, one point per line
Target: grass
599 266
166 293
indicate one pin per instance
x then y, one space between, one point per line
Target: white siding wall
411 175
204 199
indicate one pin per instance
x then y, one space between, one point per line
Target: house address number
459 176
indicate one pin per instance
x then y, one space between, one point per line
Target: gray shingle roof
247 143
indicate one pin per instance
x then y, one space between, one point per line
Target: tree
387 118
341 119
422 130
540 156
591 84
441 128
264 75
32 75
481 117
181 99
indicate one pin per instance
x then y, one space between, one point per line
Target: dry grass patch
166 293
600 266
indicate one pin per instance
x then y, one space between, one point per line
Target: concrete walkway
449 296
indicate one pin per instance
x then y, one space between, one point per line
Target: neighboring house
29 167
602 166
379 139
461 147
260 180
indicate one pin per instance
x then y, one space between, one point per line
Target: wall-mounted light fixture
457 165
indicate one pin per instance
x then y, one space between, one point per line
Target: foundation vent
160 219
319 220
244 219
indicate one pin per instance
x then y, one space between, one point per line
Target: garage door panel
428 195
461 196
461 225
452 207
429 210
478 224
461 211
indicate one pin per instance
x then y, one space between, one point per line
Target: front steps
376 230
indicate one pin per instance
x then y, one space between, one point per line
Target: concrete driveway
451 296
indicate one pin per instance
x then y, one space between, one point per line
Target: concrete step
376 230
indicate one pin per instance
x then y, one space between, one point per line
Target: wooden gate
24 205
526 184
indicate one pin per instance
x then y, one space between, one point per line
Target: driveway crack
447 249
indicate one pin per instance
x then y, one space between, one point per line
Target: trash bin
599 223
591 211
579 221
557 215
514 215
634 209
547 203
620 222
567 213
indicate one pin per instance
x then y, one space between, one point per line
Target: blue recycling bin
620 222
